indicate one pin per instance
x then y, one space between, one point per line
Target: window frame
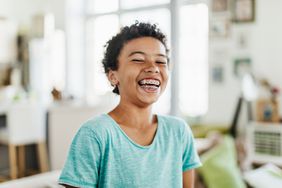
174 7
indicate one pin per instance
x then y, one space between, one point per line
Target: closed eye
137 60
161 62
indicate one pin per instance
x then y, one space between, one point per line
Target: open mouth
149 85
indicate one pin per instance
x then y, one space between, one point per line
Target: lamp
249 93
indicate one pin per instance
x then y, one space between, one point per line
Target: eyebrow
143 53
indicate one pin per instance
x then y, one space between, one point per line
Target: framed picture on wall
242 66
220 5
217 74
243 10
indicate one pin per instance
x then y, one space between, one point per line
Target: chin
148 100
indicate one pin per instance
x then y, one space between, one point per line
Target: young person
130 146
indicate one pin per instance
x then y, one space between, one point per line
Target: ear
113 78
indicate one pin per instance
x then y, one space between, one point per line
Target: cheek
165 75
128 79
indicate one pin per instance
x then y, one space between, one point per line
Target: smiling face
142 72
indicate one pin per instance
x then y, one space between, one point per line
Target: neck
133 116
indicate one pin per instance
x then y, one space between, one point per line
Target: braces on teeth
154 82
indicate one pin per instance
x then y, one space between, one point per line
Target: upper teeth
151 81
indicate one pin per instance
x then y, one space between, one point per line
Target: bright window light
193 72
100 30
101 6
128 4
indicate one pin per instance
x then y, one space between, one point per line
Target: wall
267 40
264 45
21 11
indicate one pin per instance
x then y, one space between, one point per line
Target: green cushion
220 169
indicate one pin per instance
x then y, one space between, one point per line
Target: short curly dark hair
127 33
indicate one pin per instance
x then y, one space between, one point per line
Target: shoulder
173 121
175 124
99 127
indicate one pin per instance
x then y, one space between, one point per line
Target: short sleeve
82 166
190 156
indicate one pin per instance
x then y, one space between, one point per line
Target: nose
151 68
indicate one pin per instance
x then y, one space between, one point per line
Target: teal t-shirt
102 155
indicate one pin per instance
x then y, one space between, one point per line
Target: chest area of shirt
143 137
159 143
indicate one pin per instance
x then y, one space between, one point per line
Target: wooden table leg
13 161
21 161
42 156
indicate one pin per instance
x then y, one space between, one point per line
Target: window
99 30
129 4
104 18
193 72
101 6
104 23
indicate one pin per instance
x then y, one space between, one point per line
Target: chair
25 124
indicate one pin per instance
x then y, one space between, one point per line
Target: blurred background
225 80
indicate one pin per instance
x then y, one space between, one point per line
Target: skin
188 179
141 58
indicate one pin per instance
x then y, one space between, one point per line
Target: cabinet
64 122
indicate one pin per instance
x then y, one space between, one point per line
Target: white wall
21 11
264 46
267 40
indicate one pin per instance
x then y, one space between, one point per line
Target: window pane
193 78
101 6
57 58
127 4
162 18
99 31
75 48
